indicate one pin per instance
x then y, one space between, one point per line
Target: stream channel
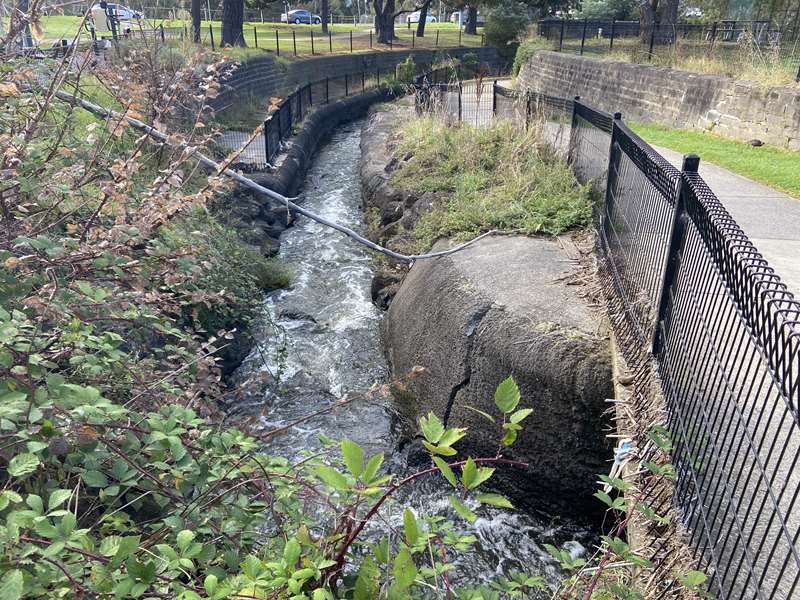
320 341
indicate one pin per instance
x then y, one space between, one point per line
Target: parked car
460 18
125 20
123 13
299 16
414 18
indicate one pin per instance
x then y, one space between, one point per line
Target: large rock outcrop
505 306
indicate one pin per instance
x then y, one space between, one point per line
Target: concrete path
770 219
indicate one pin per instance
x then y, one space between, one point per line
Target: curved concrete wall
267 77
742 110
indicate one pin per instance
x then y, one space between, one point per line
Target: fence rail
689 294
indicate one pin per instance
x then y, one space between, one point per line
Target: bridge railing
712 335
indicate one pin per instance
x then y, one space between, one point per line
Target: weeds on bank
492 177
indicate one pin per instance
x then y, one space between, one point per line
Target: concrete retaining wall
742 110
267 77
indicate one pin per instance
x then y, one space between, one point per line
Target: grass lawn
775 167
292 39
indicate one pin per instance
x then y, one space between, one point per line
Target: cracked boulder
508 306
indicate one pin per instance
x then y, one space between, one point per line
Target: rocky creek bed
321 340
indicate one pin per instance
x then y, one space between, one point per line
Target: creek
320 341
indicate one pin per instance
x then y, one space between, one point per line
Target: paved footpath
770 219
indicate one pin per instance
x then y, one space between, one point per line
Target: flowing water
320 342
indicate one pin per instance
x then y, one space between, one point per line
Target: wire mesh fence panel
590 141
727 354
635 225
510 105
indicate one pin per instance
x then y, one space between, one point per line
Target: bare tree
325 10
423 17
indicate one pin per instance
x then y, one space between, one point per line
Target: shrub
504 26
406 70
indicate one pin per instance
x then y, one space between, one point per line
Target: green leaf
23 464
451 436
410 527
432 428
291 552
373 464
94 479
462 510
332 477
353 457
11 585
693 579
404 570
494 500
210 584
605 498
184 538
443 450
446 471
520 415
485 415
57 498
127 546
472 476
506 396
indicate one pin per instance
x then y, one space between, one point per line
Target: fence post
459 101
413 37
613 159
311 31
299 95
294 42
363 82
277 44
161 28
351 41
613 25
583 35
291 115
494 97
437 38
572 128
255 35
561 37
211 31
378 75
680 217
327 92
346 85
370 39
277 116
330 42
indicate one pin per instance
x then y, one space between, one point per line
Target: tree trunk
324 15
472 20
232 23
384 20
647 19
423 18
197 16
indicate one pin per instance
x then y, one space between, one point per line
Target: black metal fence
689 292
720 39
256 152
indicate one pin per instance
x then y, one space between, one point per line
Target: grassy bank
774 167
495 178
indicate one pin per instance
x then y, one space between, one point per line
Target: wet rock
499 308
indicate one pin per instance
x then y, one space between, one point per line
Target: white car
414 18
